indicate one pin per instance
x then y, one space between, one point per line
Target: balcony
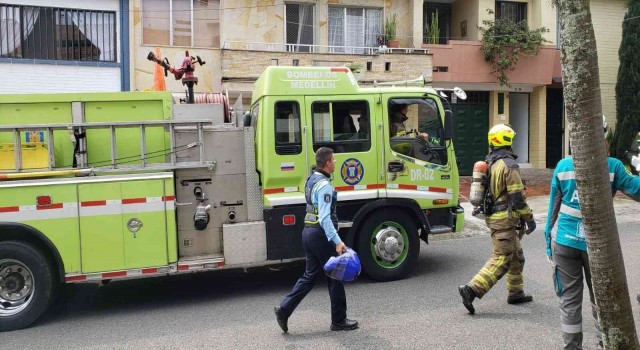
463 62
243 62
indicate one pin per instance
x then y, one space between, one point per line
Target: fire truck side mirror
448 125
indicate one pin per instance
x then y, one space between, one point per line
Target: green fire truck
106 186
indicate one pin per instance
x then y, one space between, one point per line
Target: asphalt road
233 309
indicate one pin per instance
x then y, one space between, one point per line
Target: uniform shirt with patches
321 199
564 219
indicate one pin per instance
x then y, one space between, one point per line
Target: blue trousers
317 251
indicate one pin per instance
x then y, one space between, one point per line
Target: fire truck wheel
26 285
388 245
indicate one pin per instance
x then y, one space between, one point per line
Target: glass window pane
287 118
342 126
336 27
155 22
299 27
415 130
182 22
206 23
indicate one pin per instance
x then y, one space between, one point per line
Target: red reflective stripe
340 69
9 209
438 189
168 198
273 190
407 187
183 267
52 206
3 177
93 203
114 274
221 264
344 188
75 278
375 186
150 270
134 200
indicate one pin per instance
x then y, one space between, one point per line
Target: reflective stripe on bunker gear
506 187
507 258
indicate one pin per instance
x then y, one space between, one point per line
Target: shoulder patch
327 198
510 163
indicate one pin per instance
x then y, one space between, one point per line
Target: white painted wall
519 121
20 78
48 78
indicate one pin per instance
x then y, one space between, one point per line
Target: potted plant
390 31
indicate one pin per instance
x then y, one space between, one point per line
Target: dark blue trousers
317 251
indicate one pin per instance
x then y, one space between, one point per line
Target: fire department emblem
351 171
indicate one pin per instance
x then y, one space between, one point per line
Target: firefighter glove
531 226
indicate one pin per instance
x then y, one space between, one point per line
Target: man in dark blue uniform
320 241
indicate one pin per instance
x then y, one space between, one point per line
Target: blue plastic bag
345 268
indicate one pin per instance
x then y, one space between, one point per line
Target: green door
471 120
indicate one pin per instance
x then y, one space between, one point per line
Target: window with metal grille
299 27
515 12
52 33
351 29
194 23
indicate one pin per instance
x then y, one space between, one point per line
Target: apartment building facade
533 104
64 46
238 39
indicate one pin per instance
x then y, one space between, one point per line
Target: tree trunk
582 102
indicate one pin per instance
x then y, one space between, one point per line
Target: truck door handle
395 166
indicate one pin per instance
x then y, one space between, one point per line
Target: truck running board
440 229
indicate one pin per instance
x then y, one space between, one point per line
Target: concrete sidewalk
626 211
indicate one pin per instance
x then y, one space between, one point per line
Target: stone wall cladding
248 65
536 177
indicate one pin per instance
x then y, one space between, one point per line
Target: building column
417 9
538 128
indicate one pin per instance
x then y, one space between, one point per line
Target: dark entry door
555 127
471 118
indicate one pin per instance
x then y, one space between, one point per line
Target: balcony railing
304 48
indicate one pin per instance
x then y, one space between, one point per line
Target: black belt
500 206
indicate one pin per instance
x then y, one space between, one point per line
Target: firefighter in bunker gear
320 241
566 242
509 208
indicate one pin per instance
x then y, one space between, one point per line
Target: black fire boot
519 299
468 295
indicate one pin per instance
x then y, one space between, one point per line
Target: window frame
332 143
171 28
522 8
344 8
59 14
293 47
287 148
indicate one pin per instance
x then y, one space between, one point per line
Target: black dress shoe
345 325
467 295
281 318
524 298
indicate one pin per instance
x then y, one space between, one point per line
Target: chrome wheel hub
389 244
16 287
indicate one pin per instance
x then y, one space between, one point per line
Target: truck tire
388 245
27 284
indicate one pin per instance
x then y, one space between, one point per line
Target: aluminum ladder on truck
196 127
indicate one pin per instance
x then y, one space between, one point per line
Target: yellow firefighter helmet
501 135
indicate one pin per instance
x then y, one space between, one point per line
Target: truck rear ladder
171 126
